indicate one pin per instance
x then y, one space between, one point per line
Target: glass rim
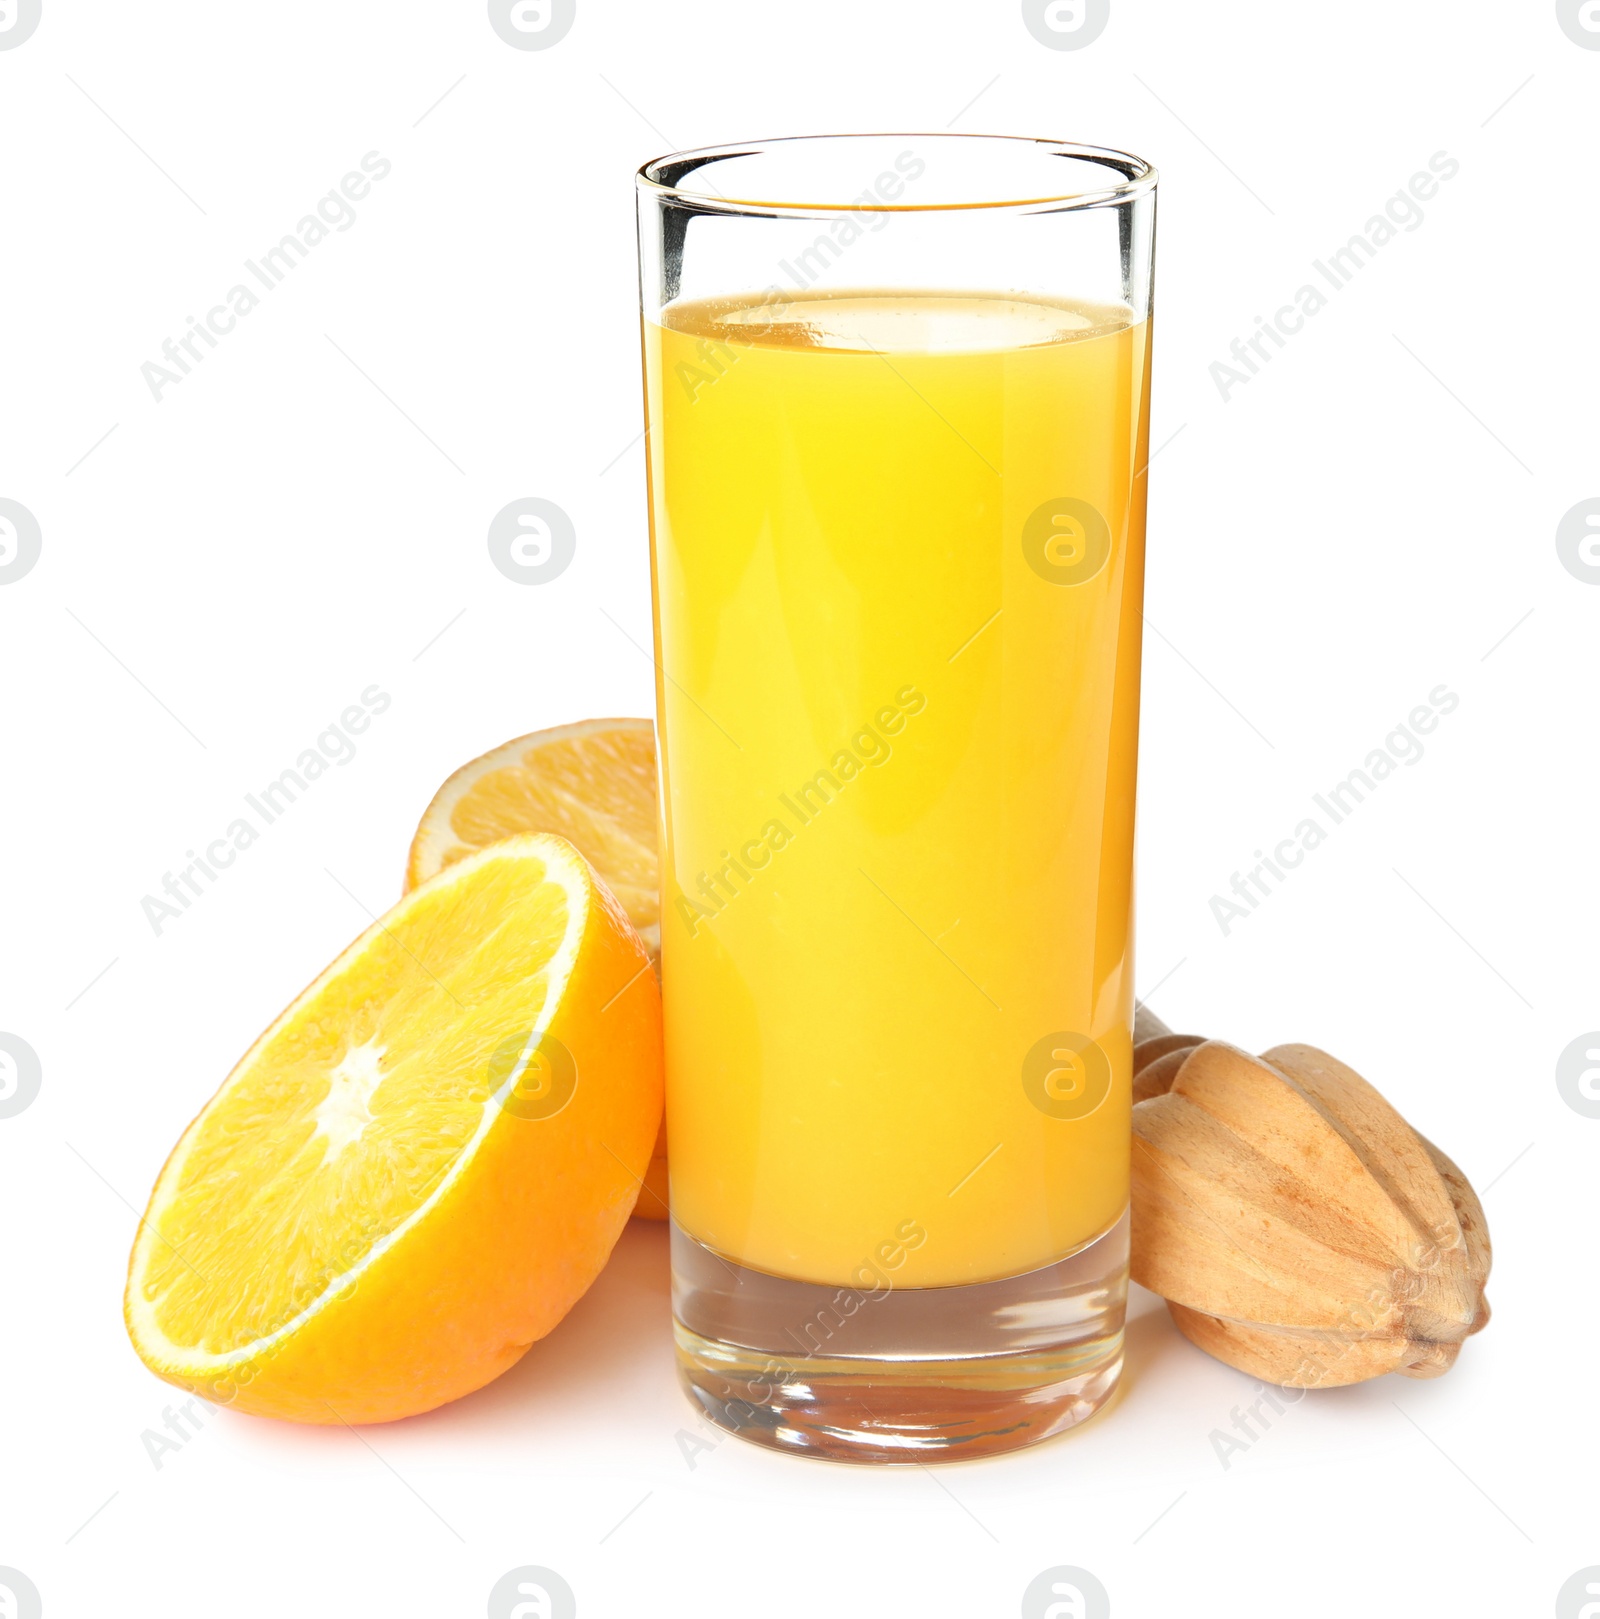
1138 178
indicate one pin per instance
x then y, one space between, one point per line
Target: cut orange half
421 1166
593 783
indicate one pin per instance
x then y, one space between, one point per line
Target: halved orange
593 783
421 1166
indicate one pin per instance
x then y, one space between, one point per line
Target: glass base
921 1374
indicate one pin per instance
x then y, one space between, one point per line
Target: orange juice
898 562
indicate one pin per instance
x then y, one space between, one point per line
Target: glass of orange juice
897 398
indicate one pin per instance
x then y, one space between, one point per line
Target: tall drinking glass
897 396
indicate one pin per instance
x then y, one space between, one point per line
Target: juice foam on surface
899 771
931 323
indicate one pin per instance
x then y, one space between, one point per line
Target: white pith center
346 1111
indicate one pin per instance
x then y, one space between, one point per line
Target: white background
1372 516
